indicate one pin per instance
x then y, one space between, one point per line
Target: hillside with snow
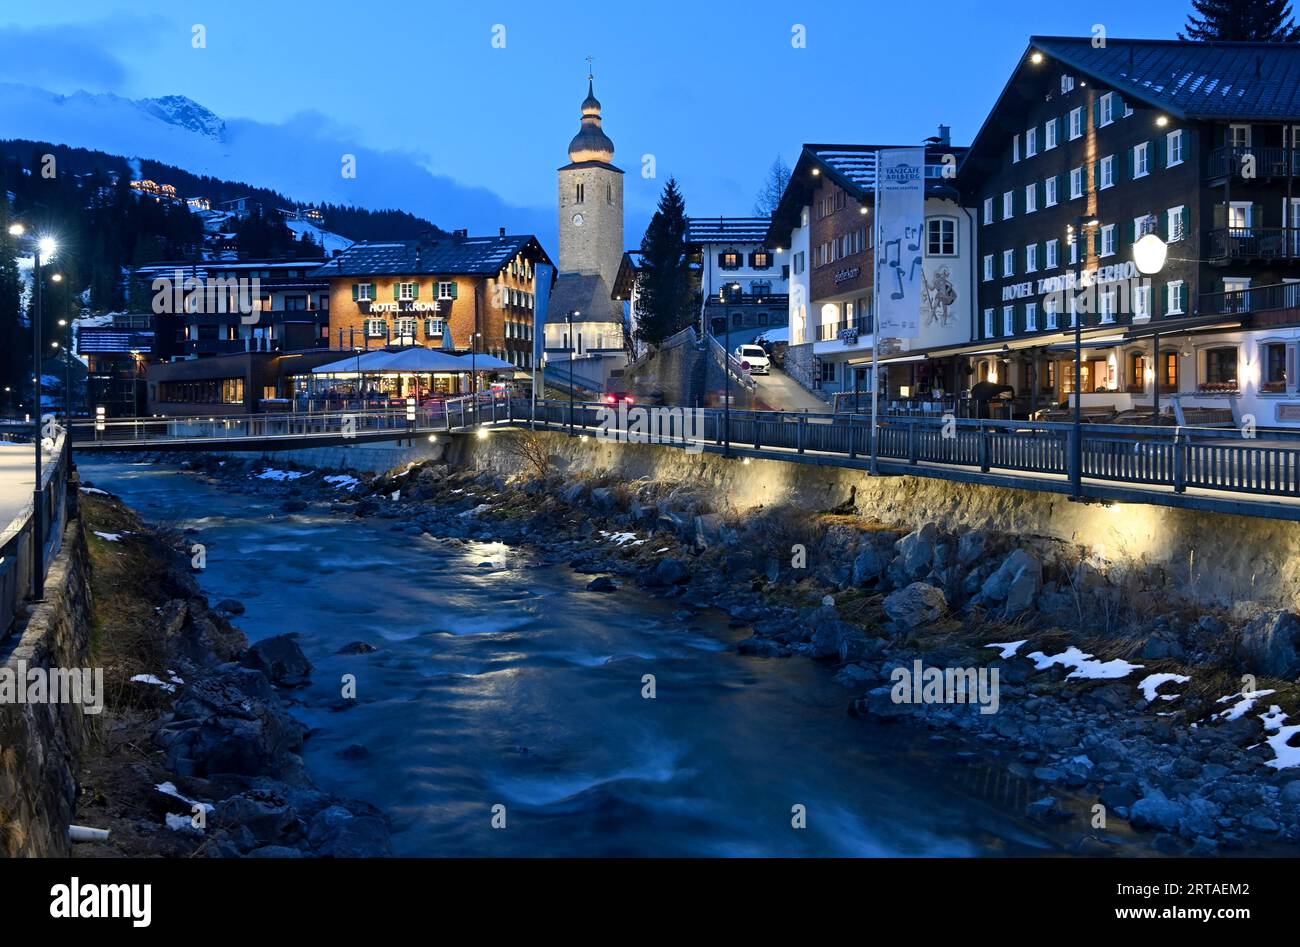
302 157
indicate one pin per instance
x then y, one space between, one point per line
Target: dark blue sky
713 90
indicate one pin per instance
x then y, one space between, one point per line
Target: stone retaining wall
40 743
1209 557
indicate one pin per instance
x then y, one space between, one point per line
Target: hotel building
1089 148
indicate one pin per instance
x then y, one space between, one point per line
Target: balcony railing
775 300
1248 163
1255 299
830 331
1254 243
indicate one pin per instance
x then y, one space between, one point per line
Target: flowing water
511 685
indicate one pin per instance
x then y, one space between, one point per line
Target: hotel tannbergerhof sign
1071 281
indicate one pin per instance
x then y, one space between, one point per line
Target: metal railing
1263 163
1254 243
1255 299
1180 458
17 536
729 363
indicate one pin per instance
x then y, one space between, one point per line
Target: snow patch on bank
270 473
1085 666
1150 684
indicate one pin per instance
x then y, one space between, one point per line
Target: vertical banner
900 217
542 278
541 303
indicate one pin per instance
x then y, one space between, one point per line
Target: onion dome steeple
591 143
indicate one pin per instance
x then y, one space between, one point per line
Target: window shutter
356 291
1220 216
397 291
1187 220
1096 112
722 259
1257 214
454 290
1162 151
415 291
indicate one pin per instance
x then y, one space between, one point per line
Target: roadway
779 392
16 481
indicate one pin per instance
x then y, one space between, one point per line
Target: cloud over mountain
302 157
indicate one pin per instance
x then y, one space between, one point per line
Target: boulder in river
915 605
280 659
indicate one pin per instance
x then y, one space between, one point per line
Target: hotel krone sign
405 306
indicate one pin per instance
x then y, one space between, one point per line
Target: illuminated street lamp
41 247
1149 254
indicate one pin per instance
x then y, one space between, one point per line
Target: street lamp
1150 253
569 319
726 380
41 247
1076 473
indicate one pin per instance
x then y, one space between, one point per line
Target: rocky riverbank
195 751
1119 705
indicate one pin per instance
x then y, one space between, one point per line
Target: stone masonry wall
1209 557
41 743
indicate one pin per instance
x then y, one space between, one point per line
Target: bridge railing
144 431
1182 458
17 536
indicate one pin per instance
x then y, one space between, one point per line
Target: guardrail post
1180 462
912 436
758 439
984 449
853 438
799 433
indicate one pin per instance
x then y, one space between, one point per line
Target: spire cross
590 59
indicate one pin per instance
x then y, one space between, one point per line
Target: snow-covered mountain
302 158
185 113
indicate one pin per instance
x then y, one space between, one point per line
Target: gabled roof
852 167
469 256
727 229
1191 80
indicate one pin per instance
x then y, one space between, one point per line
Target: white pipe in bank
80 833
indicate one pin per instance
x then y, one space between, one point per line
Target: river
511 685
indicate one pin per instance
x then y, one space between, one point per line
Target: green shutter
454 290
415 291
397 291
1187 220
1096 112
1162 151
1130 163
356 291
374 290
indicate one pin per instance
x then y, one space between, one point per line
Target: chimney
945 136
503 231
464 233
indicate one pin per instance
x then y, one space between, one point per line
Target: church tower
591 200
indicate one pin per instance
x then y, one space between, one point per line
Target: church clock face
577 220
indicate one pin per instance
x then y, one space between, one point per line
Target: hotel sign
1072 280
405 306
853 272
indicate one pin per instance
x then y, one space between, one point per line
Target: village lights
1162 121
1036 58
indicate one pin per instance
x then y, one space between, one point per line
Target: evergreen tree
667 282
769 196
1260 20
